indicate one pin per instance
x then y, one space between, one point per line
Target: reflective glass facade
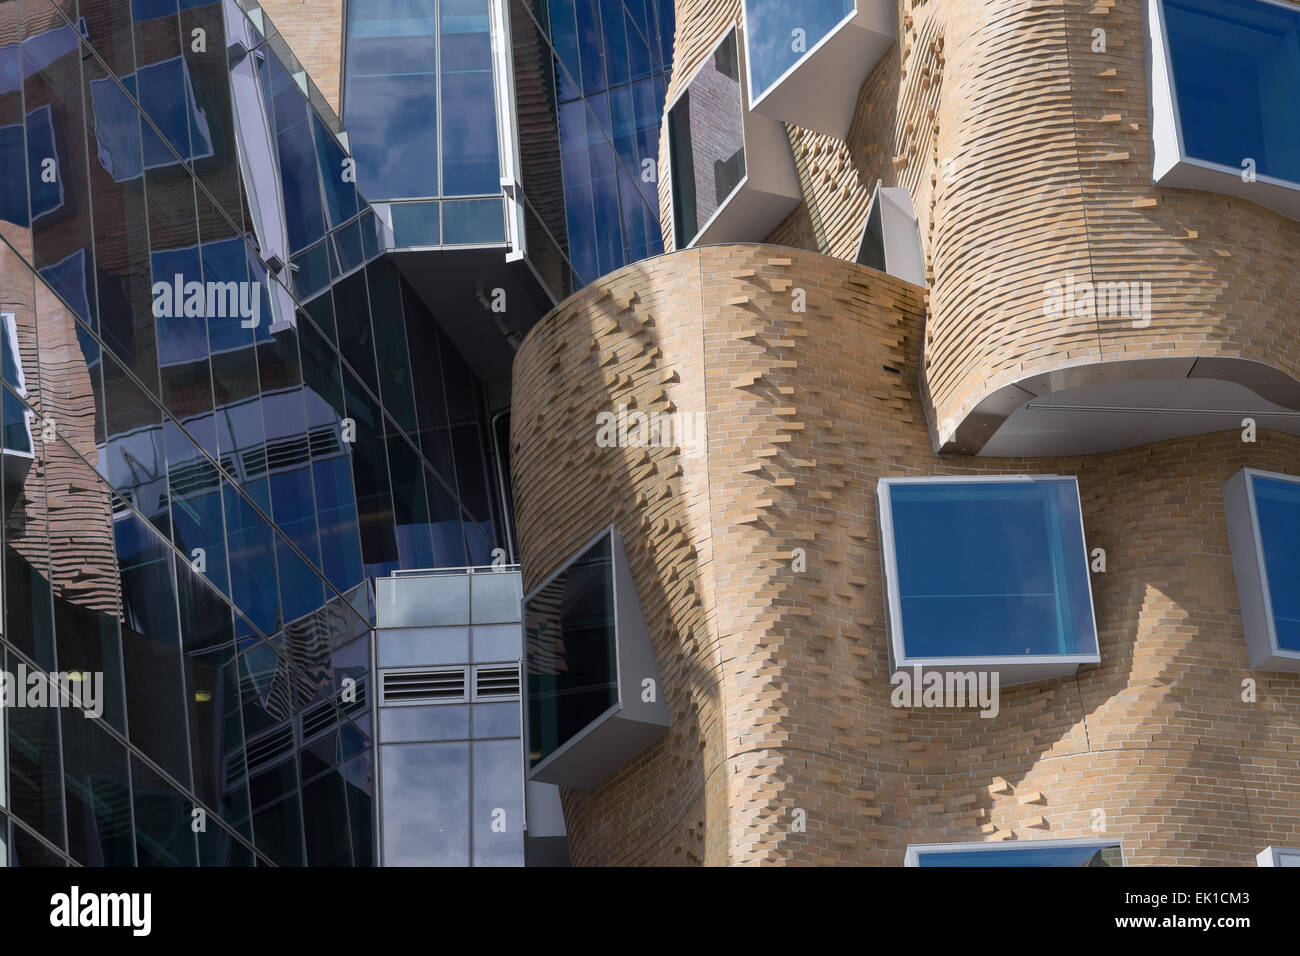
215 369
1236 74
450 757
589 81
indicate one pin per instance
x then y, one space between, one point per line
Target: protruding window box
807 59
1077 852
891 238
987 574
594 698
1225 95
1263 514
1278 856
732 175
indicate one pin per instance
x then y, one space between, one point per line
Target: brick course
777 682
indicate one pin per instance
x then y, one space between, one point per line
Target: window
987 571
780 33
891 238
1263 514
1226 91
569 632
166 93
1020 853
591 679
420 74
1278 856
706 140
732 175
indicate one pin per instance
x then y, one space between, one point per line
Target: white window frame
1274 855
1018 669
1255 598
914 850
1171 166
770 187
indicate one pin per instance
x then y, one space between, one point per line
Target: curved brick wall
1028 157
777 682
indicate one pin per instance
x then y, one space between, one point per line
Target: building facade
953 444
226 415
485 432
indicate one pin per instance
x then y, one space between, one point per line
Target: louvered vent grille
270 748
424 685
492 682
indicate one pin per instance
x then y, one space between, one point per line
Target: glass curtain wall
213 364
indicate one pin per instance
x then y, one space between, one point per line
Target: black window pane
569 635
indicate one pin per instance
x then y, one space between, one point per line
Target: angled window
1020 853
592 681
990 573
1263 514
807 59
1225 89
731 171
891 238
1278 856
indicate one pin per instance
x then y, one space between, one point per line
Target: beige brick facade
1028 157
778 682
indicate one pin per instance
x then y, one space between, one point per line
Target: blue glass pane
470 163
252 564
392 122
1278 506
180 304
45 196
194 487
303 202
391 106
13 175
151 9
416 224
1236 66
340 195
1020 856
778 33
68 278
167 96
473 221
988 569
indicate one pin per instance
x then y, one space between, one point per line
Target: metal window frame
1165 115
630 724
732 31
1273 856
916 850
1018 669
1254 594
804 57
